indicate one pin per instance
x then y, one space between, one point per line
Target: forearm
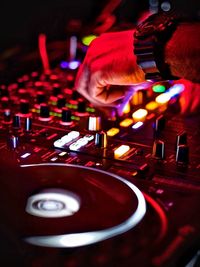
182 52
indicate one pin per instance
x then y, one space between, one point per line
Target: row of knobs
181 146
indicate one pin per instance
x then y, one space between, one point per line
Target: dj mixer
79 188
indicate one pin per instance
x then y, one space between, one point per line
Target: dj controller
81 189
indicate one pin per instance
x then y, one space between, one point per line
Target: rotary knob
16 121
66 116
13 142
40 97
61 101
28 124
101 139
24 106
44 112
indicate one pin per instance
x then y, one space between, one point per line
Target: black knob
28 124
66 115
182 154
94 123
101 139
5 102
13 142
44 111
75 95
24 106
4 92
7 116
61 101
56 89
40 97
16 121
81 106
158 149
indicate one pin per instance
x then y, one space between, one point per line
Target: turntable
73 215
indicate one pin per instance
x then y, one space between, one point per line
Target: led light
139 114
64 64
126 108
112 131
176 89
53 203
86 40
126 122
120 151
163 98
158 88
54 159
73 134
151 105
73 65
137 125
26 155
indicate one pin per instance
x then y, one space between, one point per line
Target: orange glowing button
151 105
126 123
120 151
112 132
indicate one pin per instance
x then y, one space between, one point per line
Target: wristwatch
150 38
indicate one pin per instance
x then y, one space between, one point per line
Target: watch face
156 23
145 29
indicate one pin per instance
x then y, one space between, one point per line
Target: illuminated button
139 114
58 143
73 134
112 131
66 139
151 105
120 151
158 88
26 155
74 64
75 146
89 137
82 141
126 123
137 125
163 98
61 154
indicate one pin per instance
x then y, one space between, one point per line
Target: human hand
190 97
109 62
